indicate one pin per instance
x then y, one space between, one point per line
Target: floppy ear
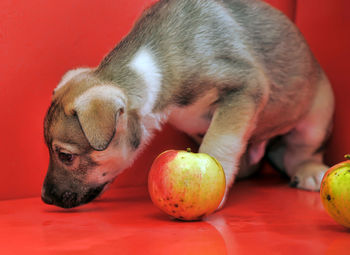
98 110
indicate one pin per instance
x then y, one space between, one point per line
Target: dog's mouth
93 193
69 199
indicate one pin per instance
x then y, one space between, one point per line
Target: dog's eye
66 158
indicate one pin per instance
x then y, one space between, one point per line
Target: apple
186 185
335 192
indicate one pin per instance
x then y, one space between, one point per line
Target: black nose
52 196
48 193
69 199
46 199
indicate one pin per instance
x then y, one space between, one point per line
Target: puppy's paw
223 201
308 176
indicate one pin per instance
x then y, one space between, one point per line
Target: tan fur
106 104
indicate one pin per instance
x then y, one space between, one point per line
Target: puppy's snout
93 193
51 195
69 199
46 194
46 199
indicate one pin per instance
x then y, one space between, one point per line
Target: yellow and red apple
335 192
186 185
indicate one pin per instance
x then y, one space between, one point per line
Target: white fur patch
69 75
144 64
105 92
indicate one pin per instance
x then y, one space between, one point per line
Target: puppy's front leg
229 131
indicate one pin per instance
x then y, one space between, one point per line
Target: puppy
236 75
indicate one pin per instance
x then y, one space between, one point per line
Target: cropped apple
335 192
186 185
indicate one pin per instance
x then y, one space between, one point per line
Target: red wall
40 40
326 26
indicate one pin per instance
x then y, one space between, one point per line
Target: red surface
262 216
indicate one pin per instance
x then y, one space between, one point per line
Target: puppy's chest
194 119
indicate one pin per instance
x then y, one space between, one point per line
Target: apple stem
347 156
189 150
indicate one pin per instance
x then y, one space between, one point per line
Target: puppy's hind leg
304 145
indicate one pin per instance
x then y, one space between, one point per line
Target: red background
41 40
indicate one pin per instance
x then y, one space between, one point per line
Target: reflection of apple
335 192
186 185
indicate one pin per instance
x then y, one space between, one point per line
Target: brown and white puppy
236 75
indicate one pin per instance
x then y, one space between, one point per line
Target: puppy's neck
137 71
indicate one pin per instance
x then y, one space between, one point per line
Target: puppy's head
90 137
